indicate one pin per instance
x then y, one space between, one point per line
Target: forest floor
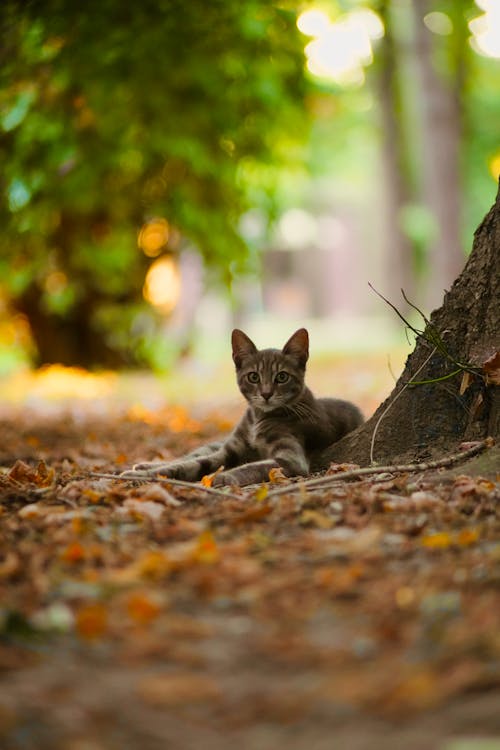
364 615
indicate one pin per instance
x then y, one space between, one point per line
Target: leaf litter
240 612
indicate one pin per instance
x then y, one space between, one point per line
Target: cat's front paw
154 469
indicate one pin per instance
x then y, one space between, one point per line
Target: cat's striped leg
284 453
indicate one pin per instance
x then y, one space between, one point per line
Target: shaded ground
366 615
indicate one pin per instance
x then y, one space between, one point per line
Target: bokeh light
162 287
340 50
485 29
153 237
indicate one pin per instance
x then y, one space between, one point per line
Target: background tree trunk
441 117
399 265
436 417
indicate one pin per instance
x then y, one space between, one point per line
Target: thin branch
329 481
393 307
165 481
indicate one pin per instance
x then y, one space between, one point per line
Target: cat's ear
297 346
242 346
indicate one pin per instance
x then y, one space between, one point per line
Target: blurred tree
112 114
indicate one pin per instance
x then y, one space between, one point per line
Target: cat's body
284 426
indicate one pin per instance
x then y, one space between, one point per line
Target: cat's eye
282 377
253 377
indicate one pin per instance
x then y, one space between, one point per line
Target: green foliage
112 113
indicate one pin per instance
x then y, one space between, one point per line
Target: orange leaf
206 550
91 621
276 476
142 608
467 537
208 479
73 553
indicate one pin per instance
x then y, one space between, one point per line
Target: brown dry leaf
256 513
492 369
340 468
10 565
465 383
91 621
178 689
42 476
157 493
142 509
32 510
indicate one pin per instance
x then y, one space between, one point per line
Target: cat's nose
266 395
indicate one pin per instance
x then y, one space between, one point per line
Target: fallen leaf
10 565
73 553
208 479
42 476
276 476
439 540
142 509
492 369
157 493
32 510
340 468
91 621
465 383
206 550
261 493
256 513
142 607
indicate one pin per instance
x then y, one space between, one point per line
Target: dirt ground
364 615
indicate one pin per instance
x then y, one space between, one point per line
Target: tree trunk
70 340
399 272
424 420
441 133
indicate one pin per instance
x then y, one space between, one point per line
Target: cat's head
270 378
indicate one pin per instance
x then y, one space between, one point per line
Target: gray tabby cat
284 426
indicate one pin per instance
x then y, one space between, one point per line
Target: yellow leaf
261 493
440 540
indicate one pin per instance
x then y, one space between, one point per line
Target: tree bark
424 420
